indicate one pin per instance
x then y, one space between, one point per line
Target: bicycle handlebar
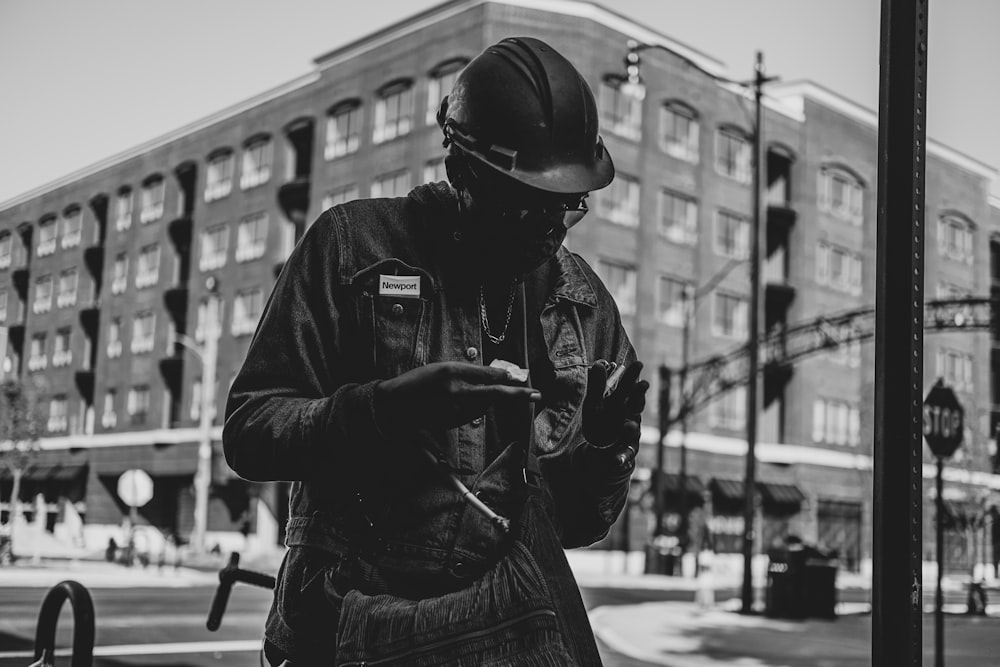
228 576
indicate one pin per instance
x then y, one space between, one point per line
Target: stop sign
943 420
135 487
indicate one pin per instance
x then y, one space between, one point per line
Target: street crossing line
233 646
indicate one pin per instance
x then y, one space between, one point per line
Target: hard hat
523 110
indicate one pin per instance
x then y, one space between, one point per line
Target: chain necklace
496 340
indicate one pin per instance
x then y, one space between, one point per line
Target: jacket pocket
393 302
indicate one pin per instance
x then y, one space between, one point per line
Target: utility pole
203 476
664 410
749 482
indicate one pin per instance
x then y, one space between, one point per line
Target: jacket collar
572 283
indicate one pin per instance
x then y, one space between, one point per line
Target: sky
81 81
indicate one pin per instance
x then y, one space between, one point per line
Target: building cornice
795 94
577 8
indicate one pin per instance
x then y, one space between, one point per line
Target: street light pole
749 482
203 476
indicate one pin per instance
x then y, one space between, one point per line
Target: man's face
513 229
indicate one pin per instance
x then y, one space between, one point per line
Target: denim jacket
300 409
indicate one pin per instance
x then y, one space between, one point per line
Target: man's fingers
597 377
635 403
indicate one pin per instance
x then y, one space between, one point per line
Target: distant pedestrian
111 551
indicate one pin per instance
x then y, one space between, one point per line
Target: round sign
135 487
943 420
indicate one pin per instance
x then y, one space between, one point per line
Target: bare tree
21 426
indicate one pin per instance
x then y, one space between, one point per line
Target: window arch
393 110
258 154
733 154
840 192
343 128
619 111
679 130
219 173
441 79
955 236
151 205
48 229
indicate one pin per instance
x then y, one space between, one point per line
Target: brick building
105 273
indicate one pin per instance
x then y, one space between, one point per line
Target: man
377 342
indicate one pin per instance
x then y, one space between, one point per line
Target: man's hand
444 394
611 423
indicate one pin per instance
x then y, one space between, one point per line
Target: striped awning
772 493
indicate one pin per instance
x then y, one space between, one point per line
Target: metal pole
665 379
682 482
939 595
203 476
899 309
749 483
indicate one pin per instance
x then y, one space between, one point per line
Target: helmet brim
563 178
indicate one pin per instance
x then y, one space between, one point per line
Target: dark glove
443 395
611 423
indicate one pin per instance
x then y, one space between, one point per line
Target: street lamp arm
716 279
638 47
191 344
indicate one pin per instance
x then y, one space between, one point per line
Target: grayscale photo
499 333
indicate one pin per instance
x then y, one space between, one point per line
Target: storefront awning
671 483
772 493
166 460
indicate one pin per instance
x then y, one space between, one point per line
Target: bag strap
532 471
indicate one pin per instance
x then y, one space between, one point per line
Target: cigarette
613 379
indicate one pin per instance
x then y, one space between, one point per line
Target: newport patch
405 286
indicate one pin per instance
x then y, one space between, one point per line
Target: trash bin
801 583
661 555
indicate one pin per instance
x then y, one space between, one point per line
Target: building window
729 410
441 81
256 168
841 194
152 199
393 112
956 369
57 414
678 218
733 154
219 175
196 399
202 322
143 332
838 268
343 130
954 238
115 338
619 202
138 404
123 209
119 275
671 300
72 227
679 131
620 112
247 309
340 196
729 316
214 248
46 237
393 184
68 282
435 171
251 237
109 418
3 307
836 423
62 355
620 279
37 355
43 295
732 235
6 250
148 267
